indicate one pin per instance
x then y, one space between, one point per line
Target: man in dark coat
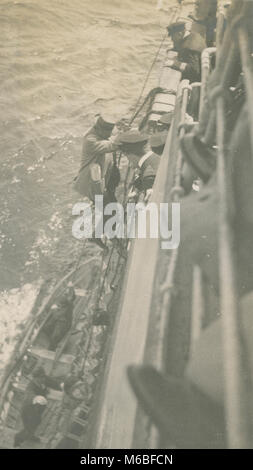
189 47
94 172
59 323
31 416
35 403
98 174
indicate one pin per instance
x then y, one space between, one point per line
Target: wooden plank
50 355
154 117
80 293
162 108
165 98
55 395
80 421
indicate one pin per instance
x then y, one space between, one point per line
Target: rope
146 79
79 258
150 95
136 111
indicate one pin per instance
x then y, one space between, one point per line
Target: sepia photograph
126 227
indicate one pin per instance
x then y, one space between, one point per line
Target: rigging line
174 17
104 278
100 292
147 77
98 297
79 257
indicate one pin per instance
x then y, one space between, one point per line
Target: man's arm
190 68
102 146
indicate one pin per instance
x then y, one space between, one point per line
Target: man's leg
21 437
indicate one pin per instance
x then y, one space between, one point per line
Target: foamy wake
15 307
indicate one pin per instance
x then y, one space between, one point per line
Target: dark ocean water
61 63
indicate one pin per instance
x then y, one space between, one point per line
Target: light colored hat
132 137
40 400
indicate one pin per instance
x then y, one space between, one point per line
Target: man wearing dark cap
94 173
98 174
188 47
134 143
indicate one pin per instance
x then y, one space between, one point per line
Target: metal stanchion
220 23
208 117
205 71
176 193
